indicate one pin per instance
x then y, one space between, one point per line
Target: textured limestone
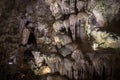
58 25
75 22
64 51
56 11
44 40
56 77
71 46
105 39
38 58
62 39
80 5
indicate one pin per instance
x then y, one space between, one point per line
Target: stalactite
58 25
73 21
66 24
81 22
72 24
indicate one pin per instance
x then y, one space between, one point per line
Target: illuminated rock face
105 39
45 70
71 36
62 39
81 25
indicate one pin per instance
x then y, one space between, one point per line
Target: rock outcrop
60 39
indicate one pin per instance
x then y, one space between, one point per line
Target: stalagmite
79 64
57 65
75 74
68 66
62 69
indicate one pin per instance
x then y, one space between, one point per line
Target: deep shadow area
114 26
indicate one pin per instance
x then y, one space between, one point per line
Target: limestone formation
56 77
74 39
44 40
72 20
64 51
58 25
66 24
80 5
62 39
38 58
72 46
105 39
25 36
56 11
45 70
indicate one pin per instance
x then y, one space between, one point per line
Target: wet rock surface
59 40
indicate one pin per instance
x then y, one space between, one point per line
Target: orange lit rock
45 70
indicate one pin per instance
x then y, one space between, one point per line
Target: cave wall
76 38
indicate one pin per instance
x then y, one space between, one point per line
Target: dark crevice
114 26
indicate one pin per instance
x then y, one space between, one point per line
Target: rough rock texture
65 39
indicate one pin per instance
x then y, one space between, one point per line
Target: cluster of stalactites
75 26
76 67
65 7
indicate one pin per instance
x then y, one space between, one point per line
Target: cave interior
59 40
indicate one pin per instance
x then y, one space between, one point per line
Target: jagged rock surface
71 36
